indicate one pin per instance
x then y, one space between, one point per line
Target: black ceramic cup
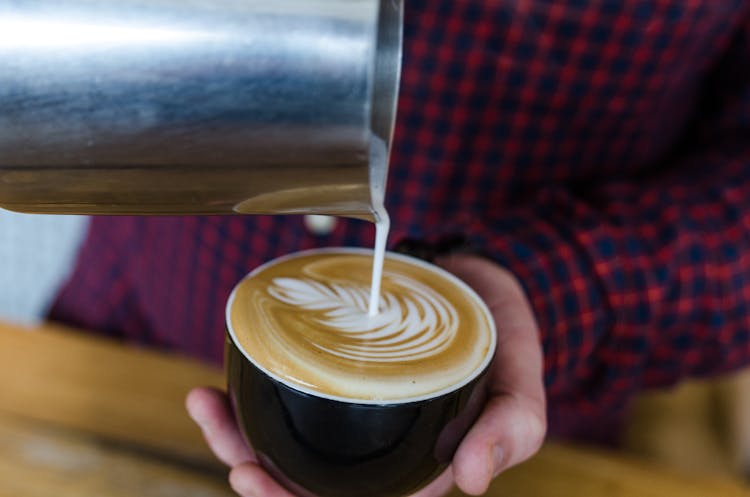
330 447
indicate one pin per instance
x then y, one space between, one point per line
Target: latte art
416 324
304 319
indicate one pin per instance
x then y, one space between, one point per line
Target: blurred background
122 430
36 254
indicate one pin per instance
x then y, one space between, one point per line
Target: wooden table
82 416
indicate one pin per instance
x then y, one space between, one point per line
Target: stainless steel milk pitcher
197 106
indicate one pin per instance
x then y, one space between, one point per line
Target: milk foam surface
305 320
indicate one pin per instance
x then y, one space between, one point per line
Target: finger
250 480
440 486
507 433
210 409
513 424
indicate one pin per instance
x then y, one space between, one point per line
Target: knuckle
536 426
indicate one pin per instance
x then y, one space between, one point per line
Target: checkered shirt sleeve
640 280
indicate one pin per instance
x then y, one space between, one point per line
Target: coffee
304 320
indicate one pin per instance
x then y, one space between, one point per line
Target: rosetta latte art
305 319
414 325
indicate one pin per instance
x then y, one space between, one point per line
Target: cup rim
476 373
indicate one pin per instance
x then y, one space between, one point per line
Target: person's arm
638 282
633 282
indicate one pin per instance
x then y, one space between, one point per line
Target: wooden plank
99 386
685 428
135 397
40 461
577 472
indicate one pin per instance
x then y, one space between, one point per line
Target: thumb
512 425
508 432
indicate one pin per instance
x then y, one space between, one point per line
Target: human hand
510 429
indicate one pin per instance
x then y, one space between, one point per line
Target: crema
304 319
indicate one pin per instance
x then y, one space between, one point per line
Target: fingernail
498 455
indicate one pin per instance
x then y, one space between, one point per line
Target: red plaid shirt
600 150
